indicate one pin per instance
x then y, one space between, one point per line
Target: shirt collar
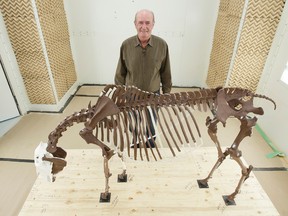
150 42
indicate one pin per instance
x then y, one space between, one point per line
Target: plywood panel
166 187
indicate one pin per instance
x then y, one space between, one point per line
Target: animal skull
43 167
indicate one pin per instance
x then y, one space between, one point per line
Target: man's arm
121 71
165 73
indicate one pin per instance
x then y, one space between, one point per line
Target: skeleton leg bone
235 154
107 153
203 183
123 176
212 131
88 136
105 197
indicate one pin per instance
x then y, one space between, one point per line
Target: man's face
144 24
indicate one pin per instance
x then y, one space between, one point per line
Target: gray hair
149 11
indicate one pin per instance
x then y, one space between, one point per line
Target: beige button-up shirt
146 68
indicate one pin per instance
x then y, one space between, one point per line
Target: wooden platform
166 187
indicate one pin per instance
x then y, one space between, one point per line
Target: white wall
8 108
12 69
274 123
98 27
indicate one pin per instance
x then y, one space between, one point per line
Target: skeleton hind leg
236 154
212 131
123 176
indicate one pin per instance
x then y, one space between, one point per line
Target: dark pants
152 129
138 119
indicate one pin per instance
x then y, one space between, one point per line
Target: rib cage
131 100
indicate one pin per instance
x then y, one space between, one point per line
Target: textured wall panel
258 32
226 30
23 33
261 20
55 31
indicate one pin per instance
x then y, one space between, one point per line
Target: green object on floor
275 152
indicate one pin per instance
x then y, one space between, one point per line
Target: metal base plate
228 201
106 200
122 178
202 185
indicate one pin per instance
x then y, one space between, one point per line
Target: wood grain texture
166 187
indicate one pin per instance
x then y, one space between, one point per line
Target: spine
77 117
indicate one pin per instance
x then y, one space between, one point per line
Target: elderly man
144 63
144 58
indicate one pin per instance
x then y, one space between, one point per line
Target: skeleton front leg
107 153
87 135
105 197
